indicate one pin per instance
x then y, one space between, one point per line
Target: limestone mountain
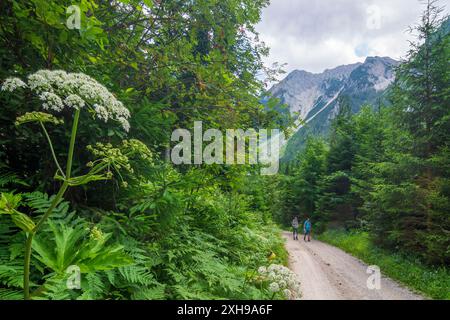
315 97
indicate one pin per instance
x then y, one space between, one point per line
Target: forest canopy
84 127
91 207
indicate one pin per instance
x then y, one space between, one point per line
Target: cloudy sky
314 35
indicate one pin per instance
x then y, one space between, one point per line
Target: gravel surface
328 273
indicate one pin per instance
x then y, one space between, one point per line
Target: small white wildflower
287 293
101 112
292 282
11 84
118 108
125 124
88 91
69 85
51 101
262 270
38 83
74 101
274 287
271 275
285 271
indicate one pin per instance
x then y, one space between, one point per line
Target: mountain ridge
315 96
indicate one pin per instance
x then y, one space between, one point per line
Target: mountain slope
301 90
316 96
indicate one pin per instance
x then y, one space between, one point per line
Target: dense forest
385 171
86 119
92 208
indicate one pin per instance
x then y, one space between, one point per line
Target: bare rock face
315 97
301 89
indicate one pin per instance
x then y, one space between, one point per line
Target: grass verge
430 281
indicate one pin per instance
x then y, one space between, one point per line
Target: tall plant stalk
59 195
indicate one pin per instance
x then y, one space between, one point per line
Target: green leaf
81 180
8 204
67 245
134 65
22 221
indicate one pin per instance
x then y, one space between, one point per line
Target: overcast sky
314 35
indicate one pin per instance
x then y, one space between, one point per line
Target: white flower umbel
262 270
125 124
12 84
59 89
74 101
51 101
102 113
274 287
282 280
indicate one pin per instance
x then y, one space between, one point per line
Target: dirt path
328 273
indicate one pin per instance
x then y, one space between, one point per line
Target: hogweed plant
281 281
77 92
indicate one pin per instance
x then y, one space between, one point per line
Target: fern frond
111 275
55 288
39 202
93 287
154 293
10 178
137 275
10 294
11 275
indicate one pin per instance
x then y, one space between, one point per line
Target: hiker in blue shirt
307 229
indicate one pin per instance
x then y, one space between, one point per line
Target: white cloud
314 35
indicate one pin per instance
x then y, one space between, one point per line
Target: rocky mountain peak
315 96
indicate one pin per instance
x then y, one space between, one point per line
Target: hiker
307 229
295 227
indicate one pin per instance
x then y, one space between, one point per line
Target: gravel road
328 273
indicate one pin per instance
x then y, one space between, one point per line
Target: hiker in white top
295 227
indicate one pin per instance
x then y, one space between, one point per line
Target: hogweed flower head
281 280
262 270
74 101
12 84
136 147
274 287
58 89
96 233
51 101
37 117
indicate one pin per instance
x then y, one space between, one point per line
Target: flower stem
59 195
26 267
51 148
72 143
